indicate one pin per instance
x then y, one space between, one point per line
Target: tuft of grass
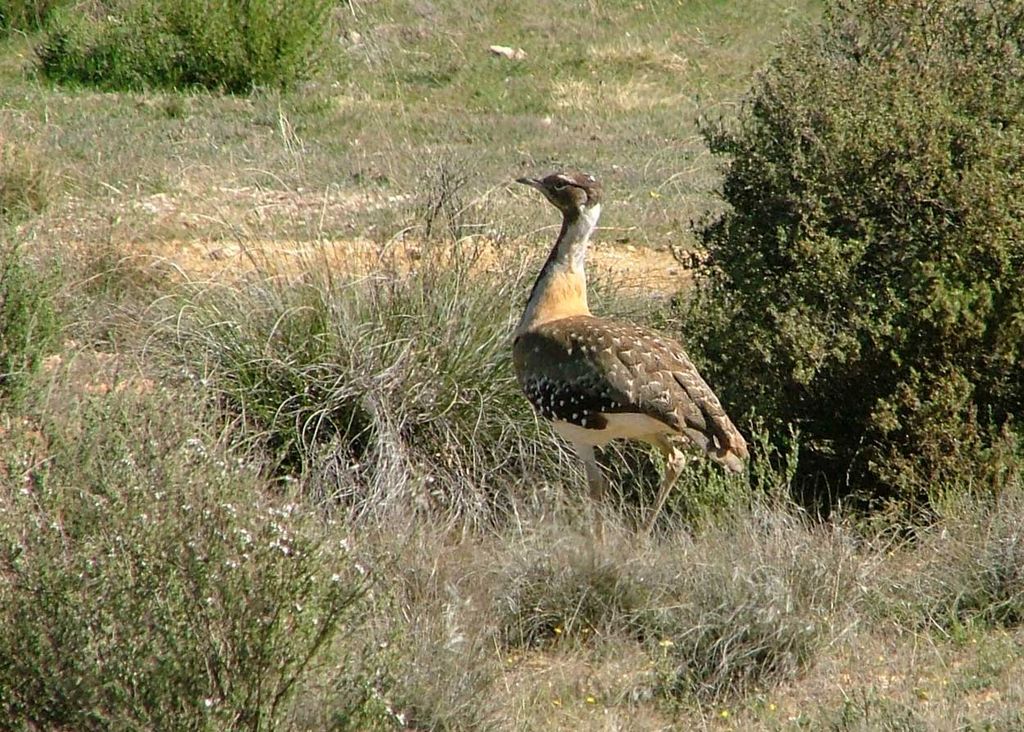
868 712
738 607
25 182
29 323
569 594
443 666
26 16
964 572
395 388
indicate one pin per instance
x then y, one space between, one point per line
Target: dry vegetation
263 464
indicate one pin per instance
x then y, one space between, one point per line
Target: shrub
149 580
227 45
867 282
28 322
443 208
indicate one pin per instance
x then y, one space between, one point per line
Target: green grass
29 323
418 85
249 484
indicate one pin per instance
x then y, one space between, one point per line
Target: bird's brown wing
561 382
600 365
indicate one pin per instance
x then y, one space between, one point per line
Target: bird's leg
675 459
598 484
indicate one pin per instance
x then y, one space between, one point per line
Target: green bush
230 45
28 321
866 284
26 15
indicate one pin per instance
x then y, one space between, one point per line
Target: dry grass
405 86
764 621
234 268
633 270
26 181
586 610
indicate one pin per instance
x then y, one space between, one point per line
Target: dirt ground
631 267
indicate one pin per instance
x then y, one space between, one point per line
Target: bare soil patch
634 268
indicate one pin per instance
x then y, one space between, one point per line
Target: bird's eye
559 187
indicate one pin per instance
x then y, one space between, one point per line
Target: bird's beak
532 182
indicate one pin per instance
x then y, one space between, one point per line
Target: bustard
599 380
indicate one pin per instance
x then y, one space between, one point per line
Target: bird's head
571 192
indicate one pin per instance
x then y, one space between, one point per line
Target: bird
598 379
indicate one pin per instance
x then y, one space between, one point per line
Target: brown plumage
600 380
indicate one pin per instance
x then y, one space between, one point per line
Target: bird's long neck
561 287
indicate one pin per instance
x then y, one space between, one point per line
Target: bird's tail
723 443
731 452
730 459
